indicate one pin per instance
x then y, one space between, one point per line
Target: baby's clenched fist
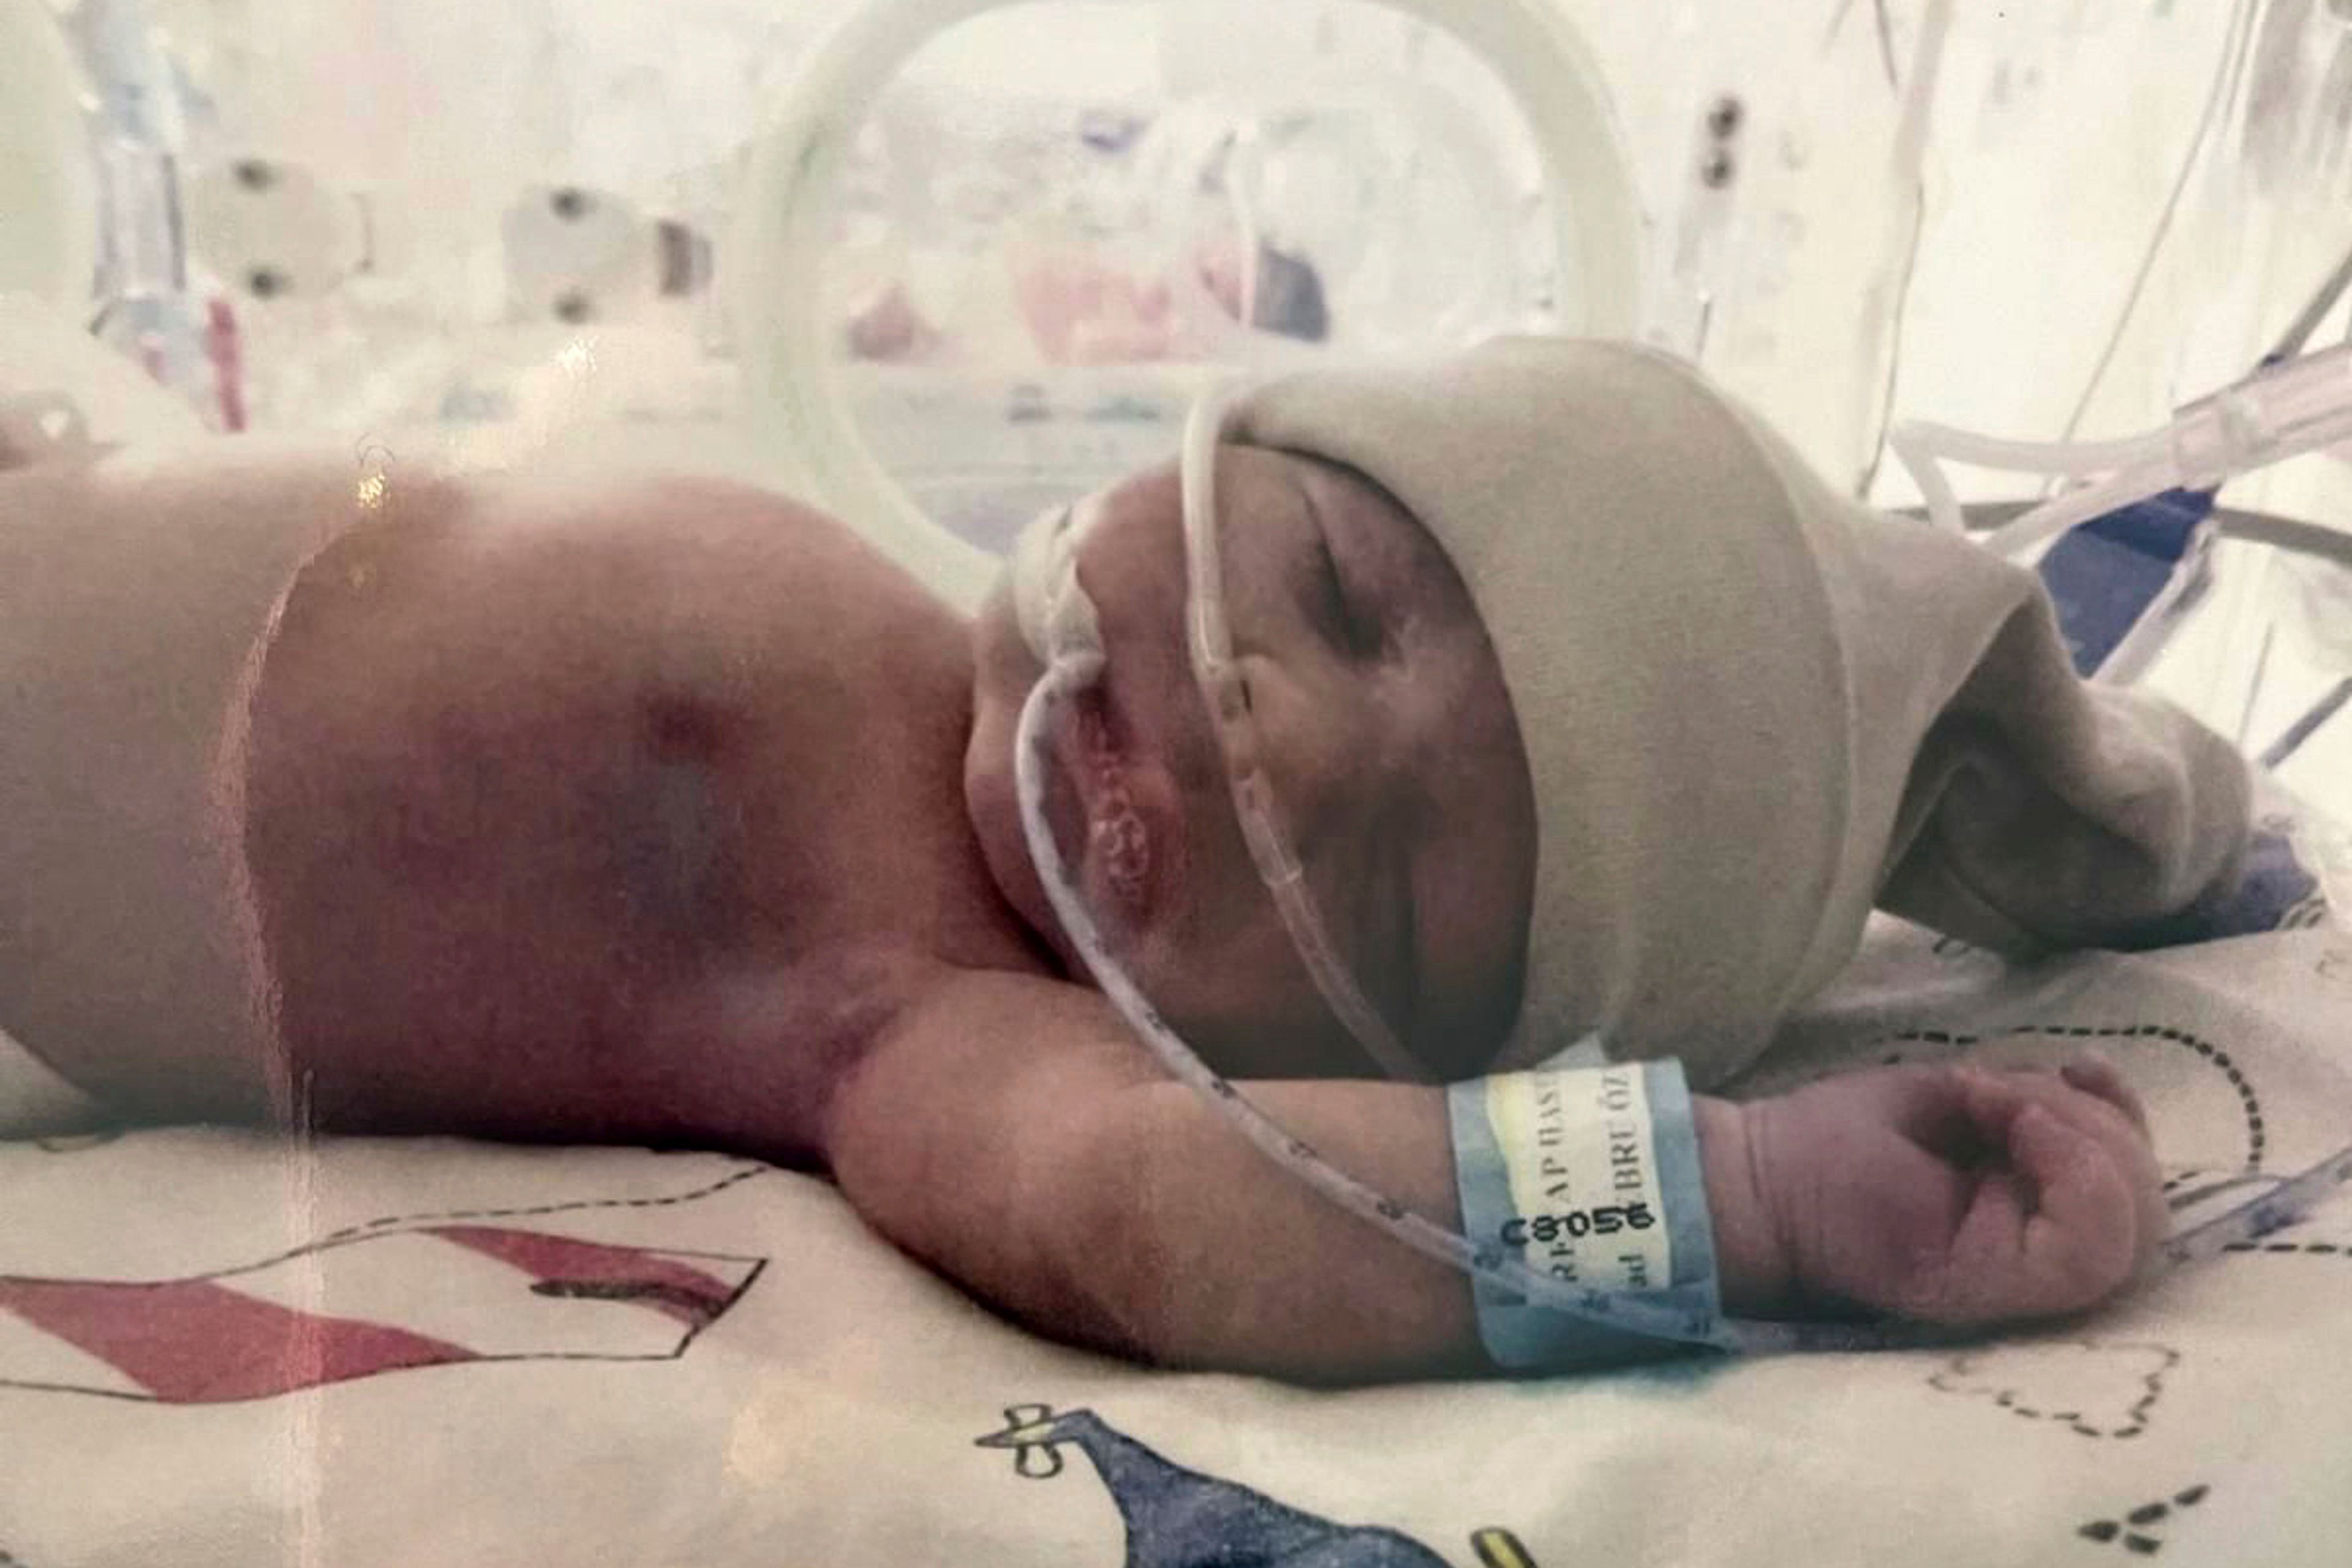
1949 1195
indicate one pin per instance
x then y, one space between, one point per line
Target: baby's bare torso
608 815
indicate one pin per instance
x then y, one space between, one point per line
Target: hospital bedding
213 1351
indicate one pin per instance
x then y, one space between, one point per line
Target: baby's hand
1955 1195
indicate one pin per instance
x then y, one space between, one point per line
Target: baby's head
1495 612
1394 751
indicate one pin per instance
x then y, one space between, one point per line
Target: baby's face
1390 741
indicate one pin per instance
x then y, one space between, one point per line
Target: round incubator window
990 253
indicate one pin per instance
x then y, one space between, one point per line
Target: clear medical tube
1076 661
2283 410
1224 689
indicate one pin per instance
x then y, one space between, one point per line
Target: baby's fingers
2081 1241
2096 1075
2049 1229
2097 1103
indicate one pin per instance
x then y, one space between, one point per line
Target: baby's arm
1010 1135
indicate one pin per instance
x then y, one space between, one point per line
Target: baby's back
591 812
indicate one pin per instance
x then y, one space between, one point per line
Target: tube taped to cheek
1590 1176
1050 606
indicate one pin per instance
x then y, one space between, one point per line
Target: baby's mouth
1125 849
1116 837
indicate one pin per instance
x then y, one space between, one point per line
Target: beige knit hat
1752 709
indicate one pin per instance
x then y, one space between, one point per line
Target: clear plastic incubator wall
2070 276
937 263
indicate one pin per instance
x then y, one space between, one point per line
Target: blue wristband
1592 1176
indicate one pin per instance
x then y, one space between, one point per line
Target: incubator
944 264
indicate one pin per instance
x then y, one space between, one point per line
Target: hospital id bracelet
1590 1175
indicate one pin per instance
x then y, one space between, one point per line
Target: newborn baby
667 812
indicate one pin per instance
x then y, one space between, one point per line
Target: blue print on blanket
2276 892
2283 885
1177 1518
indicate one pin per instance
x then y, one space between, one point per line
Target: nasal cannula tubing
1078 662
1211 648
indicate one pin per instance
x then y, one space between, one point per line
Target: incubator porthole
942 211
